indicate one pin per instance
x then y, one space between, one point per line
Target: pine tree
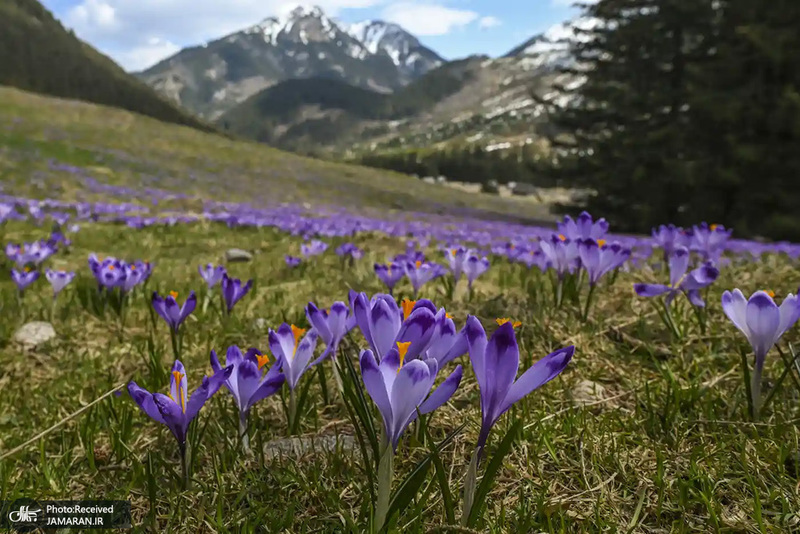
745 108
622 131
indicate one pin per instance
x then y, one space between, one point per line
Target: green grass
668 449
120 148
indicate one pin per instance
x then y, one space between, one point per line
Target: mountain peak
301 11
404 49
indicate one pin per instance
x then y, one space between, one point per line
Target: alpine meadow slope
38 54
74 149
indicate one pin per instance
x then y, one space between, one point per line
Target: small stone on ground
237 254
587 392
299 446
33 334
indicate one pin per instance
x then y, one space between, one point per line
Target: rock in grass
587 392
300 446
33 334
236 254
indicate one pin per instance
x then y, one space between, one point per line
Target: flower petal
650 290
376 387
763 320
410 388
442 393
144 399
734 304
536 376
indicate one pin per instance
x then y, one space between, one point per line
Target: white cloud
489 22
94 13
148 54
427 19
136 32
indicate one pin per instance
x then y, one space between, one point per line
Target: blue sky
138 33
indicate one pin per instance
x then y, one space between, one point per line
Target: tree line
470 164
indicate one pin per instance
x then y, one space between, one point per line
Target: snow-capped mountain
410 56
211 78
550 49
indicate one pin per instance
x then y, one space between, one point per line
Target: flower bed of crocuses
411 357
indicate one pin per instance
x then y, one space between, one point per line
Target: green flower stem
243 433
385 472
292 410
470 483
588 303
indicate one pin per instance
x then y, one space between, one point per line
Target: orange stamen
297 333
562 237
263 359
771 293
419 264
408 305
714 227
173 294
178 376
27 269
504 320
402 349
453 251
110 267
601 242
449 316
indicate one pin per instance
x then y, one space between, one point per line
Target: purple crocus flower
7 212
212 275
680 280
349 249
383 324
233 290
669 237
58 279
133 276
446 344
109 272
294 347
169 310
598 258
474 267
496 362
584 227
400 388
561 253
709 240
29 253
292 261
331 326
313 248
58 238
455 258
390 274
420 273
248 383
177 409
24 278
763 323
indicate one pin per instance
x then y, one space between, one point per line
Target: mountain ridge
211 78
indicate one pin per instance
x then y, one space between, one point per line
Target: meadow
648 427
